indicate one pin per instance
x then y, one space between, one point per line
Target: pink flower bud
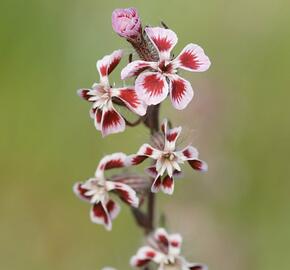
126 22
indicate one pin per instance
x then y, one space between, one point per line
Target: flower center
169 156
165 67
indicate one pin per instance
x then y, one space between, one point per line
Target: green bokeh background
234 217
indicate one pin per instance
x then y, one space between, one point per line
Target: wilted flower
96 191
167 159
164 250
126 22
106 118
156 79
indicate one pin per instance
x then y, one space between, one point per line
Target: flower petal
188 153
145 255
108 63
149 151
129 96
198 165
112 121
136 67
98 114
161 236
151 87
171 137
99 215
84 93
163 39
156 186
151 171
125 192
113 209
181 92
167 185
80 192
192 58
175 241
116 160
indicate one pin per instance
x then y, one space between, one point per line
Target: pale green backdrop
234 217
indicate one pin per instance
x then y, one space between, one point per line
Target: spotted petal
136 67
151 87
99 215
125 192
163 39
112 121
129 97
156 185
192 58
107 64
188 153
181 92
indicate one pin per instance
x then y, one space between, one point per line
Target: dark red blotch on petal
177 90
100 212
129 95
111 118
162 43
153 85
196 164
171 136
114 163
113 64
189 60
82 191
103 70
138 159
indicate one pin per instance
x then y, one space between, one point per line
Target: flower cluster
156 76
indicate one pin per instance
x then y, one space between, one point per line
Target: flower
156 79
164 250
167 158
96 191
102 95
126 22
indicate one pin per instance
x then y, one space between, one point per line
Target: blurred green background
234 217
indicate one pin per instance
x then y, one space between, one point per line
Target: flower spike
106 117
96 191
167 159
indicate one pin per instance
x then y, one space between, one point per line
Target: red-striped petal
188 153
181 92
144 256
113 209
108 63
80 192
156 186
167 185
163 39
198 165
116 160
112 121
84 93
151 87
171 137
192 58
151 171
129 97
175 241
99 215
135 160
125 192
162 236
149 151
136 67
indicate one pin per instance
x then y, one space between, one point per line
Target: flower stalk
156 77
